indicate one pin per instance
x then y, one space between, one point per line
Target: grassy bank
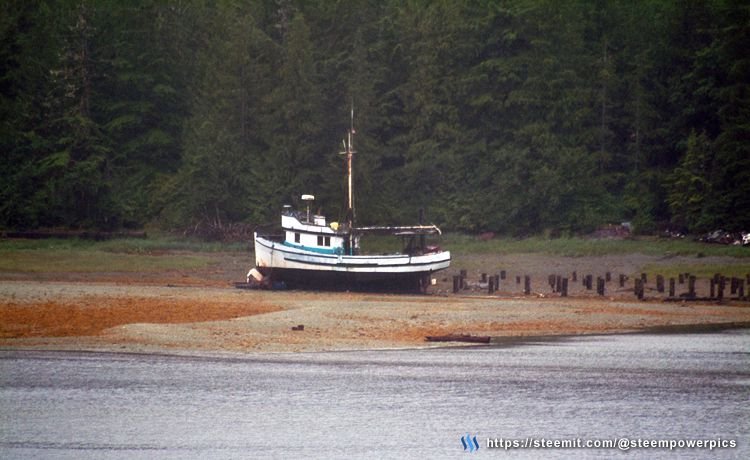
152 245
567 247
579 247
85 261
120 255
163 253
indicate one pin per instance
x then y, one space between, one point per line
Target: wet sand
140 316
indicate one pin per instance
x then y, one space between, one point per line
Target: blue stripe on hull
302 247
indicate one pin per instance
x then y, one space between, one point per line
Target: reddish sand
201 310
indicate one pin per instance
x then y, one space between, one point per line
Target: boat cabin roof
401 230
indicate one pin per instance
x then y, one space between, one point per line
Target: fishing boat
314 253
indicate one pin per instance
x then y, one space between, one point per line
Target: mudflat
200 310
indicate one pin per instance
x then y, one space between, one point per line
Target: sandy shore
143 317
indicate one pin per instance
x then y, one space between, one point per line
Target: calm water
389 404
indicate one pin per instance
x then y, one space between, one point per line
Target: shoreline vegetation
456 242
160 253
167 294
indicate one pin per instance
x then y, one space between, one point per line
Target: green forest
519 117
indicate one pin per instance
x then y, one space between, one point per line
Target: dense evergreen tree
218 179
519 116
27 59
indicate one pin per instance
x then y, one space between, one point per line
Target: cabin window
320 240
327 241
296 237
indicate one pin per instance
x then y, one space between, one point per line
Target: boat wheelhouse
313 253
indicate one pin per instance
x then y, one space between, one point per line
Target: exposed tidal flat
173 303
126 317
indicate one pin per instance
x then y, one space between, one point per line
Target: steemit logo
470 443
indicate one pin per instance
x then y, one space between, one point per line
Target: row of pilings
684 286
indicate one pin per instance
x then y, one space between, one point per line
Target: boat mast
349 152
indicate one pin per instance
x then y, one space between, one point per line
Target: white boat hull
298 266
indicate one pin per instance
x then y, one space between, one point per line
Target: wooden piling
491 285
622 280
712 292
527 285
564 291
456 283
659 283
600 285
671 287
741 289
691 286
681 278
638 289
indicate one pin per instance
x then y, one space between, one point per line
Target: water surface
379 404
